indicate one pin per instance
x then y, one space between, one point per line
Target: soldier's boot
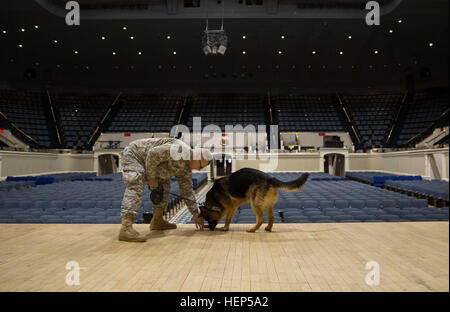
127 233
158 222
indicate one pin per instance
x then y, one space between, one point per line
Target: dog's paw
251 230
224 229
268 229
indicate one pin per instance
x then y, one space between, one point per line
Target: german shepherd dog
239 188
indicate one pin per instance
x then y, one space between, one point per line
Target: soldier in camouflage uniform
149 161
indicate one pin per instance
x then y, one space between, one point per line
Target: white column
1 166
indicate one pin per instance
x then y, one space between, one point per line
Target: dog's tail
291 186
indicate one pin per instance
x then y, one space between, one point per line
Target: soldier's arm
185 183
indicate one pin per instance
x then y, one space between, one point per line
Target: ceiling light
341 52
103 38
349 37
20 46
431 44
243 52
391 31
313 52
174 52
22 30
282 37
114 53
399 21
4 31
55 41
124 28
244 37
36 26
131 37
279 52
168 37
76 52
139 53
376 52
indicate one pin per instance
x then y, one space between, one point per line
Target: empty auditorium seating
424 110
224 110
80 115
146 113
83 200
340 200
308 113
373 116
26 111
434 188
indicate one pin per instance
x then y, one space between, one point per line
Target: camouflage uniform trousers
135 178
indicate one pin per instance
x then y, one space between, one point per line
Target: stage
294 257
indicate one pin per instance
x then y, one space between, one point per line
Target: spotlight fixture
244 37
282 37
168 37
349 37
391 31
36 26
431 44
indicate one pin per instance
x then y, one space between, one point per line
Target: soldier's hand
199 222
153 184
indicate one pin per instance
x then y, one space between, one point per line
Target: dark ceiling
373 58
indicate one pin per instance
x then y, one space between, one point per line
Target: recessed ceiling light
313 52
22 30
341 52
399 21
103 37
279 52
4 31
20 46
376 52
139 53
124 28
76 52
391 31
431 44
131 37
244 37
243 52
349 37
282 37
36 26
168 37
114 53
57 65
55 41
174 52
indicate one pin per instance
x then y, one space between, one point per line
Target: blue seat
42 204
321 218
389 217
405 203
340 203
357 204
371 203
25 204
310 204
326 204
73 204
88 204
388 203
342 217
312 213
421 203
104 204
57 204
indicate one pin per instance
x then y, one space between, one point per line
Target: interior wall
28 163
432 164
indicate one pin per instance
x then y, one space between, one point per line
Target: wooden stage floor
295 257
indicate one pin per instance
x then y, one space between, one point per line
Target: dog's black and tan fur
239 188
